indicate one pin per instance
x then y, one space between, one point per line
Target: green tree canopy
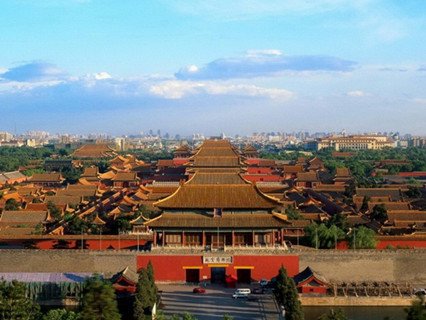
11 204
61 314
379 213
54 211
287 296
417 311
146 293
99 300
292 213
14 305
362 238
323 237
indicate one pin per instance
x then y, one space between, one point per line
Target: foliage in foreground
287 296
417 311
146 293
14 304
337 314
99 301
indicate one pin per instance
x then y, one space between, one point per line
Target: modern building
356 142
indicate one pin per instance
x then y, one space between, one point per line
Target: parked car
241 293
199 290
252 298
263 282
259 290
420 292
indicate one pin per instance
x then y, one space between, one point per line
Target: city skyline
207 66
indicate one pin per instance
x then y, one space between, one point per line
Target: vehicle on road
199 290
420 292
252 298
259 290
263 282
241 293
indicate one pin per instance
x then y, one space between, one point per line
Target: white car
241 293
420 292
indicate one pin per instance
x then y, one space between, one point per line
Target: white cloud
263 53
36 71
356 93
102 75
176 89
261 63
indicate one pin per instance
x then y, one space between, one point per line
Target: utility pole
316 239
354 240
217 237
335 241
137 235
100 238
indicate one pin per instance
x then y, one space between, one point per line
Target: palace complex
212 212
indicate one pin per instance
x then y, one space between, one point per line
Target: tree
142 298
188 316
362 238
61 314
292 213
379 213
71 176
417 311
364 205
287 296
54 211
339 220
12 205
14 304
146 292
99 301
151 277
337 314
413 192
321 236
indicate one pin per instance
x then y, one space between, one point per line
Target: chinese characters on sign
221 259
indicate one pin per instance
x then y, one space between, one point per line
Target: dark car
252 298
199 290
258 291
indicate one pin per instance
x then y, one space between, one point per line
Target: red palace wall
173 267
384 244
89 244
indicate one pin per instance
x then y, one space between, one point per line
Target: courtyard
215 303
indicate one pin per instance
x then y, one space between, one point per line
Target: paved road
216 302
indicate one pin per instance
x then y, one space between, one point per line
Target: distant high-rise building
5 136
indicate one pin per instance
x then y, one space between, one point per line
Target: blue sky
210 66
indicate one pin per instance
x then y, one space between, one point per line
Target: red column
183 238
204 239
282 237
273 237
155 238
163 239
233 238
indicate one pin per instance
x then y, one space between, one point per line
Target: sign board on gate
217 259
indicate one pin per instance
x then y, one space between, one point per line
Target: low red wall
75 244
173 267
383 244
